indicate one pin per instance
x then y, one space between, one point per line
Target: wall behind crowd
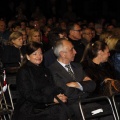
61 8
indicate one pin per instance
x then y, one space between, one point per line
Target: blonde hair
31 33
14 36
111 42
105 35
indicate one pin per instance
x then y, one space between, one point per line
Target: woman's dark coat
36 89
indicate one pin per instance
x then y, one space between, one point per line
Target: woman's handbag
111 87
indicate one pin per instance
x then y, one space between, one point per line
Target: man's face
69 51
87 35
2 26
76 32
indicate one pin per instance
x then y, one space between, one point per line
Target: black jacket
79 47
98 73
61 77
36 89
11 56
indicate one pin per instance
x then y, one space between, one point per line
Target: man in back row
74 36
70 76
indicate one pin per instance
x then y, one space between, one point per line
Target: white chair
116 104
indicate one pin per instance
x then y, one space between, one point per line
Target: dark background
81 8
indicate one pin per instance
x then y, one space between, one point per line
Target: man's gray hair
58 47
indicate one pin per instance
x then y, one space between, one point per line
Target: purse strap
113 84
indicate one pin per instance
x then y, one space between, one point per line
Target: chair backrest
98 107
116 104
12 90
5 110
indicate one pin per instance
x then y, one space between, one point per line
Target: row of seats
90 108
100 107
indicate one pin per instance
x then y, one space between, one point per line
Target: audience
98 30
35 35
54 36
24 33
4 33
74 35
111 42
75 83
96 66
92 51
15 26
86 36
37 90
13 51
116 60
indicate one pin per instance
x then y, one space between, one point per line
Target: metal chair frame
96 111
5 111
115 105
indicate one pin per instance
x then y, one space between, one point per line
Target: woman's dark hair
30 48
91 50
53 35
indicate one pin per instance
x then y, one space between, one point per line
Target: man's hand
86 78
106 79
73 84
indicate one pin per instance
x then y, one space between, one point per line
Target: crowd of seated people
96 48
38 94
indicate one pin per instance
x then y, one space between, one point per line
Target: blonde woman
35 35
111 42
13 51
105 35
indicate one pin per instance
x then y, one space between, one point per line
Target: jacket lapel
60 70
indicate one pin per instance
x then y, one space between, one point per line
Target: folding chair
98 107
12 90
116 104
5 112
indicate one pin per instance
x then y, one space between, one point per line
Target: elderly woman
13 51
38 94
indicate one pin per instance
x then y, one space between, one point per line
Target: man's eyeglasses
88 33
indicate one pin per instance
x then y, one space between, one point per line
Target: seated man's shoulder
75 64
52 66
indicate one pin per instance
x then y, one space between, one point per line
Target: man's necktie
70 71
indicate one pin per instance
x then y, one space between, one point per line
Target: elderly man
70 76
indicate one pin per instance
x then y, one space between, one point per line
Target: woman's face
24 36
105 55
36 57
36 37
18 42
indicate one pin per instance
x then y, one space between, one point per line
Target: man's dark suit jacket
61 77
